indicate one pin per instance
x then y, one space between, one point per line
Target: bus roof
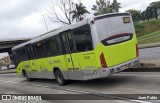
69 27
111 15
51 33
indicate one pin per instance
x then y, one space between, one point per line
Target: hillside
147 28
148 32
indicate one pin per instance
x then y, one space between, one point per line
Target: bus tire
26 76
59 78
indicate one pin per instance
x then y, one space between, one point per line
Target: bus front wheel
59 78
26 76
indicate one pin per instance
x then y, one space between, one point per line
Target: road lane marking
138 101
78 91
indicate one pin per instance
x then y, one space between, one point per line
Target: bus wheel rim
60 78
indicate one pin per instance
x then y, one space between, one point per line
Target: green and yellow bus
90 49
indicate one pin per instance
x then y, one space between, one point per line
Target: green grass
150 40
147 27
149 35
148 32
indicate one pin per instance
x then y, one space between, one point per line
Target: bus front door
30 63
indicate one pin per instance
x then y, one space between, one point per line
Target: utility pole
45 22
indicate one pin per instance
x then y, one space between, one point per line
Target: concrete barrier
152 45
8 71
151 65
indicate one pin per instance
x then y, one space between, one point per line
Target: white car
4 68
11 66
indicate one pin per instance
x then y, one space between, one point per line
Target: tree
79 12
143 15
60 9
136 15
149 13
102 7
116 5
155 7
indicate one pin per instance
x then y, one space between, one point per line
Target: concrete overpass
7 44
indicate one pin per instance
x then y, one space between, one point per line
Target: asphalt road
150 53
122 83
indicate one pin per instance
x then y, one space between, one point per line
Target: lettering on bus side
27 66
54 61
86 57
88 53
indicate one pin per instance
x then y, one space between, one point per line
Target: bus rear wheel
59 78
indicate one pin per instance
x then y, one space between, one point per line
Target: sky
23 18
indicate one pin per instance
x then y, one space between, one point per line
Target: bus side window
53 47
39 49
65 44
71 43
23 54
18 56
15 57
83 38
30 52
68 42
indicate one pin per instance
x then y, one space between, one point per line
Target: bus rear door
73 67
79 54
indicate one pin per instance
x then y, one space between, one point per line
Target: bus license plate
124 67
